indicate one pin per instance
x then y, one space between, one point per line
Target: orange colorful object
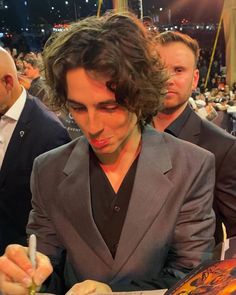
215 278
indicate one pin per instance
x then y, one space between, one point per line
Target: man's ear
8 79
195 79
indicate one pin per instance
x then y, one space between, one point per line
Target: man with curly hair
122 207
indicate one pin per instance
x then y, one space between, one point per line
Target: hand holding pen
17 273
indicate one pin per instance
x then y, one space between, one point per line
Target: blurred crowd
31 75
214 101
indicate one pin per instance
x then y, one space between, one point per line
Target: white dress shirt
8 123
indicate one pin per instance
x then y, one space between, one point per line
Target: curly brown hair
116 46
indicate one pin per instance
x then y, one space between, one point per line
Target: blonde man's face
179 61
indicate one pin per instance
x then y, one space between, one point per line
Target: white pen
32 249
32 257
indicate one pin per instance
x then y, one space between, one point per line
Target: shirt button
117 208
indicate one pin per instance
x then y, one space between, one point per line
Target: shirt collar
16 109
176 126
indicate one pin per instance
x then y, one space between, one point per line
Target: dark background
40 11
27 24
194 10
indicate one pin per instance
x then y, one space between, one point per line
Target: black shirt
177 125
109 208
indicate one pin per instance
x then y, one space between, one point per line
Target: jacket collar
191 129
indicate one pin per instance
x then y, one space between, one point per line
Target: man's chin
170 108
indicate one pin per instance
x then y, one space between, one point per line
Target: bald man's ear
9 82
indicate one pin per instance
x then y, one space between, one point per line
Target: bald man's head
10 88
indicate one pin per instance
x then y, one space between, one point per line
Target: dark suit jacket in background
212 138
168 229
36 132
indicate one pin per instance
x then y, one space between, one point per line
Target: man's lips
171 92
99 143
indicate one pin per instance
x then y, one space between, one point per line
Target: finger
13 271
82 289
19 255
95 286
9 287
43 270
7 278
89 286
103 288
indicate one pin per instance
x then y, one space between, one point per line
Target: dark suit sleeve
193 237
225 199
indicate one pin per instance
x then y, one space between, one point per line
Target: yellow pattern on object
32 289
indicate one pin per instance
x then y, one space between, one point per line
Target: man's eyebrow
70 100
105 102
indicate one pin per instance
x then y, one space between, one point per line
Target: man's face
183 75
108 126
30 71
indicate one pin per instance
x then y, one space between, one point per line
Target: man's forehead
174 51
171 44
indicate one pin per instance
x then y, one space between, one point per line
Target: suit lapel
17 139
191 129
74 194
151 189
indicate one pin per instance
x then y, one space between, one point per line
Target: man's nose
95 123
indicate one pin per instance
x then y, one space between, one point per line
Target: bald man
27 129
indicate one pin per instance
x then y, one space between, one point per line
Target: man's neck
163 119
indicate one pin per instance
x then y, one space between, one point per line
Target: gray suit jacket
169 225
